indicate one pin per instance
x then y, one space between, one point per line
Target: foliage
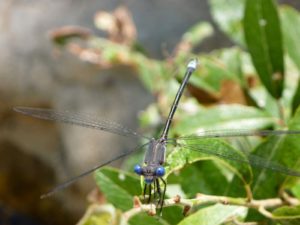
252 85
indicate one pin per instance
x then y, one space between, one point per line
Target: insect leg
144 191
150 194
158 192
154 190
163 195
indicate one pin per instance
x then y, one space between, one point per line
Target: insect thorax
155 155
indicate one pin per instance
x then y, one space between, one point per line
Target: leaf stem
281 112
248 192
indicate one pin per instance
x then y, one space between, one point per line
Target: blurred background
36 155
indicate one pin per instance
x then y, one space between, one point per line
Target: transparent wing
236 133
251 159
79 120
74 179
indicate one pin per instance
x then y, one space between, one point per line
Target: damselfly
152 168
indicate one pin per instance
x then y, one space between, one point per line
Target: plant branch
202 199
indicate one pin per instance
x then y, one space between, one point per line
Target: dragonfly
152 169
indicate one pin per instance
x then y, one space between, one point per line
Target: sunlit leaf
212 215
290 19
228 14
100 215
291 31
224 117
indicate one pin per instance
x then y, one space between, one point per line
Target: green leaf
261 26
151 73
118 187
290 19
173 214
296 98
235 188
291 32
211 74
144 218
296 190
224 117
196 34
100 215
228 14
212 215
214 69
232 59
284 150
287 215
190 151
197 175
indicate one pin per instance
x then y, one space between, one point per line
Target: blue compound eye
138 169
160 171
